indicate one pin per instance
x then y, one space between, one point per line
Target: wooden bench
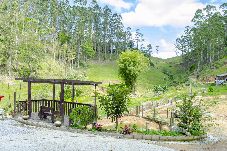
47 111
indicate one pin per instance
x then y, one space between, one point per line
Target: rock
57 123
25 117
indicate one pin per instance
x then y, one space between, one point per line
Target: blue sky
161 21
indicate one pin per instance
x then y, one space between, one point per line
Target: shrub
210 89
81 116
158 89
190 117
115 102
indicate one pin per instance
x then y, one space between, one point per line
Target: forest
33 31
205 41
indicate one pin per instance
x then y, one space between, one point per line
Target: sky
160 21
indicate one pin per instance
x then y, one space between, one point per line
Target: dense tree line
206 40
69 33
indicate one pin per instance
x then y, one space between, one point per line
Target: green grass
219 67
161 133
217 90
103 72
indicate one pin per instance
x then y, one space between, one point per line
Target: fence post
146 126
154 115
167 112
142 110
15 103
172 119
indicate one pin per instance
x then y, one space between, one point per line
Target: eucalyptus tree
138 38
107 13
204 42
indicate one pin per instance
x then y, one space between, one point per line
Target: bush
158 89
115 102
190 117
81 116
210 89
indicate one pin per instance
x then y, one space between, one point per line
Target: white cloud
177 13
119 4
166 49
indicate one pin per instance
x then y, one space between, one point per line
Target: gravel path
17 137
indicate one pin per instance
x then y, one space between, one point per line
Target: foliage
98 127
68 92
204 42
158 89
126 130
210 89
191 117
81 116
131 64
115 102
162 133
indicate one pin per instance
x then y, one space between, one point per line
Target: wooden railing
22 106
36 104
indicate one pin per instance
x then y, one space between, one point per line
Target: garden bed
114 134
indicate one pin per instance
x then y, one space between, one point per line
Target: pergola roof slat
59 81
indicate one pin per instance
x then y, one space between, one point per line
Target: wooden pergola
62 83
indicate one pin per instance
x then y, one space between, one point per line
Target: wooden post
146 126
171 119
154 115
167 113
95 109
29 99
54 96
15 103
142 110
62 101
73 92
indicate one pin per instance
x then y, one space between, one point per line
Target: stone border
117 135
164 138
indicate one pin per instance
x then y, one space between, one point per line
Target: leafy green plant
115 102
190 117
162 132
158 89
81 116
210 89
131 64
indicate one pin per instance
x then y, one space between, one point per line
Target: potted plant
58 123
25 115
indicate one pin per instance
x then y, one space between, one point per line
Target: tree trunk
116 123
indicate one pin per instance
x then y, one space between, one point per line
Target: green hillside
218 67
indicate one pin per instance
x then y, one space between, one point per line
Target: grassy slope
219 68
108 73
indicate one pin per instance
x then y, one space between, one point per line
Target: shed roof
222 75
59 81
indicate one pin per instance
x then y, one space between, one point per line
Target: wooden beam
29 99
54 96
95 106
62 101
59 81
73 92
15 103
